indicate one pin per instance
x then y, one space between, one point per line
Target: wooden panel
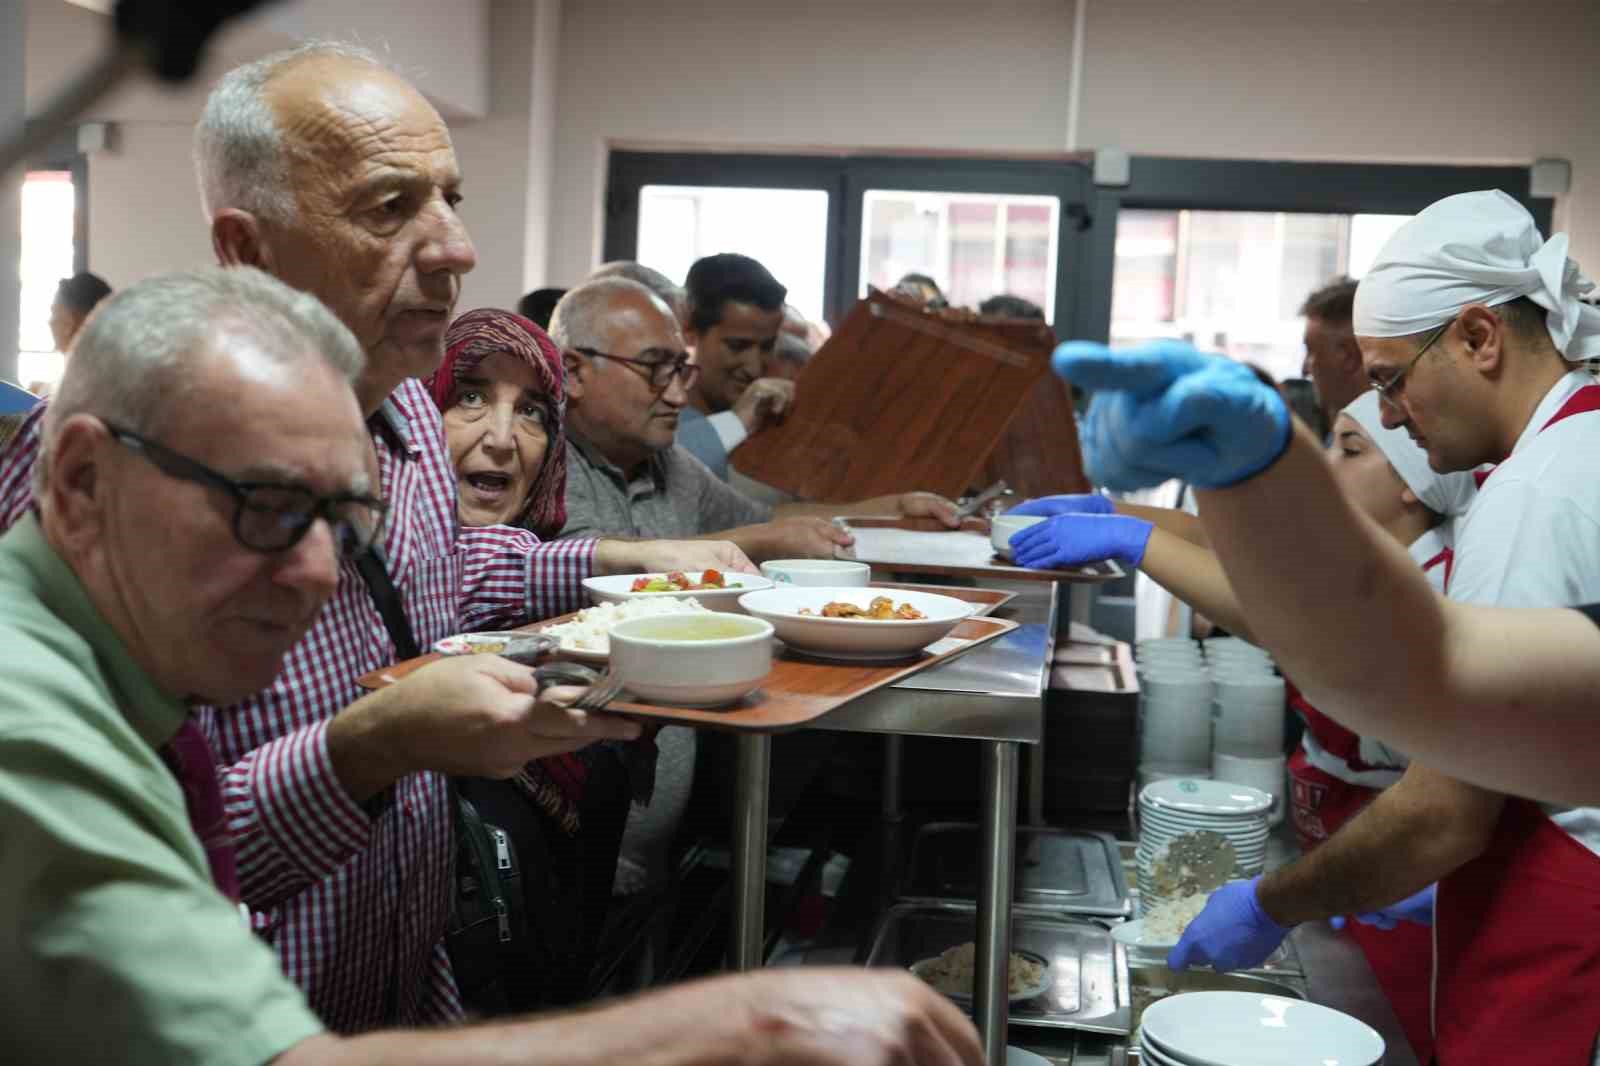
1038 454
797 692
900 398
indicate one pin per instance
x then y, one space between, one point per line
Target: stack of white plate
1172 810
1251 1029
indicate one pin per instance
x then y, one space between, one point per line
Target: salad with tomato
678 581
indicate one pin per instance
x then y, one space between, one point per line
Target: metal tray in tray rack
1057 871
1088 973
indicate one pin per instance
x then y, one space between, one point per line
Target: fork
607 687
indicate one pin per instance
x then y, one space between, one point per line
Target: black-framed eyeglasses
270 517
1390 390
658 372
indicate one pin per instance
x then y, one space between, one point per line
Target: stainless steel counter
993 694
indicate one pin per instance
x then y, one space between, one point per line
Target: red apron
1517 933
1401 958
1517 949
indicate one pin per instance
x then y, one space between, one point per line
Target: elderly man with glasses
1470 324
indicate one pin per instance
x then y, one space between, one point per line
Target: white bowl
817 573
615 588
692 660
855 638
1002 526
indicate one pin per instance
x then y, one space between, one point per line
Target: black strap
387 599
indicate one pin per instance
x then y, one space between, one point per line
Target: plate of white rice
586 636
1161 929
951 972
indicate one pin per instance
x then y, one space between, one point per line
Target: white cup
1192 687
1251 730
1175 735
817 573
1002 526
1267 773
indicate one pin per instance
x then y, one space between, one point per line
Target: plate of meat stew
862 624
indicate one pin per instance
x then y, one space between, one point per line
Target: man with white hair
1468 324
204 472
332 173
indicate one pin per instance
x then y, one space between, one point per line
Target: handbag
487 929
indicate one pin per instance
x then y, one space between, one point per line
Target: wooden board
797 692
898 399
960 553
1038 454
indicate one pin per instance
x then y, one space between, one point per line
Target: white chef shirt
1532 537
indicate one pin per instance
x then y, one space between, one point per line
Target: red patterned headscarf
471 339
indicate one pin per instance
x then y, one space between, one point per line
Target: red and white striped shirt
356 906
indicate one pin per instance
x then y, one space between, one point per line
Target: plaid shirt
356 905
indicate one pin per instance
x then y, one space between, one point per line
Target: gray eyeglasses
1389 391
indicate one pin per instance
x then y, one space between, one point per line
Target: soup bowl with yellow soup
708 660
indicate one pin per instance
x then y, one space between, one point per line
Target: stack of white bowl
1175 710
1248 708
1170 810
1251 1029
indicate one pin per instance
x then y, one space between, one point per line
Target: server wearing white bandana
1468 323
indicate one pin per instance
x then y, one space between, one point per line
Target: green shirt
116 947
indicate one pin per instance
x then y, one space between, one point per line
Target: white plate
1037 988
1149 1053
855 638
1205 797
614 588
1132 935
1251 1029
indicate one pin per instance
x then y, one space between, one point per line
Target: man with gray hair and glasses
204 472
332 173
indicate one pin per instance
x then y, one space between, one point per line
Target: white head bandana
1446 494
1476 247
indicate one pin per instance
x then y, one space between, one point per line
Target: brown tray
975 559
797 692
988 600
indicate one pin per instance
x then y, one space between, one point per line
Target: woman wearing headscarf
502 393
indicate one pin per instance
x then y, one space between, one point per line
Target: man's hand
1232 933
652 556
1416 908
803 538
928 505
846 1017
1069 503
473 715
1164 410
764 400
1076 539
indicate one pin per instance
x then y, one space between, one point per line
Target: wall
1444 81
144 210
920 73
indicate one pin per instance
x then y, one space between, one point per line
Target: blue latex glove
1076 503
1232 933
1416 908
1163 410
1076 539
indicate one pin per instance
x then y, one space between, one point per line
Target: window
974 245
47 257
786 229
1233 281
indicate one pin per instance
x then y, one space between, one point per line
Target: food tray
799 690
1057 871
1089 986
925 546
